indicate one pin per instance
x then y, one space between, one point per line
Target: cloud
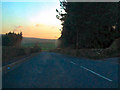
20 27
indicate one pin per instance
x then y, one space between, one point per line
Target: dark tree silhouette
88 24
12 39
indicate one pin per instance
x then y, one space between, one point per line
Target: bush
35 49
20 51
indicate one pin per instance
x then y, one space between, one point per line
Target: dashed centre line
73 62
94 72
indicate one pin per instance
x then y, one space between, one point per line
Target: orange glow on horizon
39 31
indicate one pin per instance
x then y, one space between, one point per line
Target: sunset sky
34 19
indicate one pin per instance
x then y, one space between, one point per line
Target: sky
33 19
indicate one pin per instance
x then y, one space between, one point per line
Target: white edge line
96 73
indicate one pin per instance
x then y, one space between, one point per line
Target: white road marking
96 73
73 62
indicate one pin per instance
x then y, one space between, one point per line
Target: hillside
34 40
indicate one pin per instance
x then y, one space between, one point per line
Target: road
52 70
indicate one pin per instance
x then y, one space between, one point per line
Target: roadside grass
11 54
96 54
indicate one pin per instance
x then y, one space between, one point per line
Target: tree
11 39
88 24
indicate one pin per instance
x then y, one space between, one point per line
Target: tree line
11 39
89 24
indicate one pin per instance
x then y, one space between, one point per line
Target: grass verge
96 54
12 54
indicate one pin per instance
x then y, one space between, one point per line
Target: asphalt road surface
52 70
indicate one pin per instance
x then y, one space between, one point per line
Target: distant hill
34 40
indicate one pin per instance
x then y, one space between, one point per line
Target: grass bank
12 54
89 53
96 54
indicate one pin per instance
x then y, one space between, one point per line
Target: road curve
52 70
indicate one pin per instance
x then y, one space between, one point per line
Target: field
45 46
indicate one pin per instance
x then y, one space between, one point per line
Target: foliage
88 24
11 39
36 48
